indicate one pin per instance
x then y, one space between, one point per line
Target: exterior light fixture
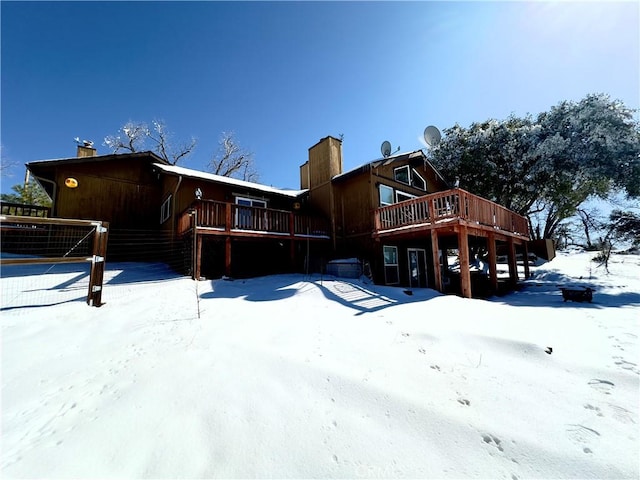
71 182
198 193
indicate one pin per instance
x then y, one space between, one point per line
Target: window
386 195
417 180
401 196
165 210
390 264
251 202
401 174
409 176
246 217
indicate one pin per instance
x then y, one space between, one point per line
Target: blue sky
283 75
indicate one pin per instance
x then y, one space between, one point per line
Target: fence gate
56 241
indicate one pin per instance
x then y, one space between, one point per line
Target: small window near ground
165 210
391 275
386 195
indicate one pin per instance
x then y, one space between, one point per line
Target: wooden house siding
106 192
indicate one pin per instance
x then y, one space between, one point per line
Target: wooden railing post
96 274
227 217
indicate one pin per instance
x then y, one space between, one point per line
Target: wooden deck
457 214
229 219
446 210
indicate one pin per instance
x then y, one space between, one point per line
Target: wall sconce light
71 182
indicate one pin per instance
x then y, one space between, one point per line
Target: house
209 224
399 215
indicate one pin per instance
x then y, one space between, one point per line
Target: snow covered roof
187 172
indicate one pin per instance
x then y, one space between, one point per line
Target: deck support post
437 273
513 264
198 257
463 251
493 268
227 256
527 273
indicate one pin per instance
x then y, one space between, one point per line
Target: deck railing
456 204
19 209
240 218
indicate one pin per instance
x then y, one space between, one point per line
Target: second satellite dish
385 148
432 136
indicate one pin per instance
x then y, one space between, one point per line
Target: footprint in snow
581 435
492 440
604 386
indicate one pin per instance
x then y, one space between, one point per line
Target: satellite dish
385 148
432 136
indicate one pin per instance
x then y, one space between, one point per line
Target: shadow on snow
350 293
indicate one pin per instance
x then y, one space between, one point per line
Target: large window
391 275
409 176
386 195
165 210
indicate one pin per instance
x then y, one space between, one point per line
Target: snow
188 172
295 376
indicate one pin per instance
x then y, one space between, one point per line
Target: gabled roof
400 157
187 172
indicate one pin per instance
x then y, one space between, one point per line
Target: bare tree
231 160
133 137
590 221
6 164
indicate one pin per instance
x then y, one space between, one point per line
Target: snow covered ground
307 377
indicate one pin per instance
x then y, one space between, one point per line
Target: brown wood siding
354 213
126 194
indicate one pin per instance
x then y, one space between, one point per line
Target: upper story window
386 195
409 176
165 210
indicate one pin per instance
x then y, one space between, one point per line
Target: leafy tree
28 194
134 136
546 167
231 160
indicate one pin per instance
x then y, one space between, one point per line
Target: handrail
448 204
